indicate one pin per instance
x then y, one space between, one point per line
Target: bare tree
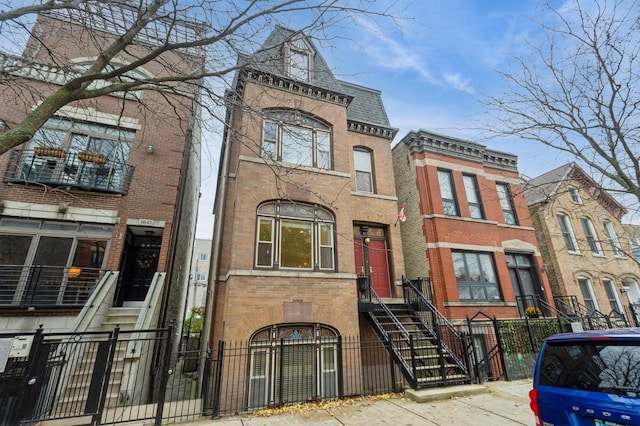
209 35
578 90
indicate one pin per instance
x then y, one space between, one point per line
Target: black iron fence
124 376
248 377
106 377
46 286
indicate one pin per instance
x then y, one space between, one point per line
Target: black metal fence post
500 348
217 385
340 368
164 373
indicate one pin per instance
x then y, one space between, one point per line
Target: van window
595 366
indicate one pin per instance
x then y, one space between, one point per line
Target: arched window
291 137
292 363
294 236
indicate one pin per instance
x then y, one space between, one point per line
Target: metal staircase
425 346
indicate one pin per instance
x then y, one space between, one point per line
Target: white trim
50 211
91 115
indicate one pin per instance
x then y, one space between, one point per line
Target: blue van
588 378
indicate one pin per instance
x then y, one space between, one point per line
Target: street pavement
490 404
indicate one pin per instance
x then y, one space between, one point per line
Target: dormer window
298 60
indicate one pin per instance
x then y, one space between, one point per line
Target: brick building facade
467 227
129 207
305 202
584 245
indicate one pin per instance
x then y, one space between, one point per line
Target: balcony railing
39 286
68 170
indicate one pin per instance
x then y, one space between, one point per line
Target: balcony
46 287
70 170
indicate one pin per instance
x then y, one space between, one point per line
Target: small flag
401 216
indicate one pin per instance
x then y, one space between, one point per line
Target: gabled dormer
298 55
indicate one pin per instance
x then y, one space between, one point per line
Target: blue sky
432 70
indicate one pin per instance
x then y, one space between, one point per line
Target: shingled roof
544 187
365 107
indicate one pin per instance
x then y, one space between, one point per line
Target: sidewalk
491 404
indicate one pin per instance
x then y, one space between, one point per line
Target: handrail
584 312
423 300
405 334
147 312
440 319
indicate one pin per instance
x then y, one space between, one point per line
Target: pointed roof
544 187
365 109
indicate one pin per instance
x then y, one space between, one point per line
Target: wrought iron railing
592 319
54 167
437 325
39 286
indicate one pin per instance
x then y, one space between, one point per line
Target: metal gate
102 377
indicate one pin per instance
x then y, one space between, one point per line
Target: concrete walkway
489 404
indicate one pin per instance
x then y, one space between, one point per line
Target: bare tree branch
579 90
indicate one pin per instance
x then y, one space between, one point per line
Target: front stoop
448 392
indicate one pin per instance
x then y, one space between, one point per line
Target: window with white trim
591 237
203 256
567 233
612 295
294 235
506 204
298 59
575 195
295 138
613 239
448 193
587 294
364 170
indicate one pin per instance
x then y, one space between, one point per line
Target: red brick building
102 201
467 227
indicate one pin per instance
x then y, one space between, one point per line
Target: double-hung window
610 290
294 138
476 276
295 236
363 169
590 235
567 233
575 195
613 239
473 196
506 204
587 294
447 192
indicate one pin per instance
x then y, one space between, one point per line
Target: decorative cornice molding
371 129
297 87
419 142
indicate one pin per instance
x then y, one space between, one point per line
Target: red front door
378 264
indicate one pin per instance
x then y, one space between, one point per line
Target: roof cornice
421 141
372 129
297 87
